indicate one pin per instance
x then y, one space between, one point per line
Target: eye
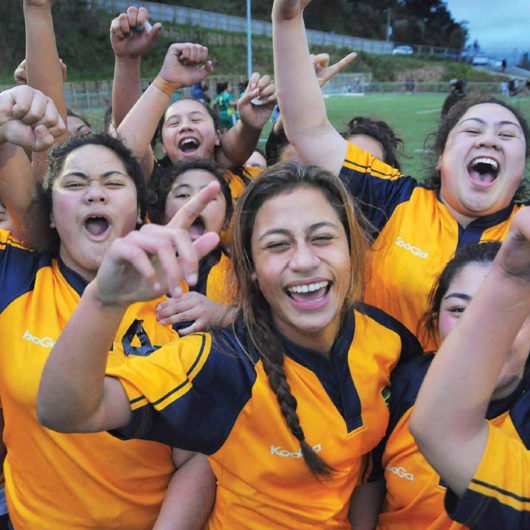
73 184
115 184
457 309
322 239
473 130
506 134
182 195
277 246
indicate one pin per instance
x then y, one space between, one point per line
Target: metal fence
220 21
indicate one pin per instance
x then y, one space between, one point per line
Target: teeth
189 142
489 161
307 288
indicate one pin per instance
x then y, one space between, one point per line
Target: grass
412 116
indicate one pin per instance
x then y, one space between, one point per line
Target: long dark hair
254 308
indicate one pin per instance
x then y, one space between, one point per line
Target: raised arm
74 394
184 65
448 421
131 36
28 120
300 99
43 67
255 107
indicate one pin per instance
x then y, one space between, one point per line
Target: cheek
446 323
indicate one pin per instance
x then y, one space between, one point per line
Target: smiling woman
481 149
298 381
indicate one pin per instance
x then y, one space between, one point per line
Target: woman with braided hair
289 399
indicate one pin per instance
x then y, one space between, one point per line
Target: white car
479 60
403 50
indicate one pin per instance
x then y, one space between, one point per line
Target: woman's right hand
152 261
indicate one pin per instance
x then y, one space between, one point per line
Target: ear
254 276
439 163
139 220
217 141
52 221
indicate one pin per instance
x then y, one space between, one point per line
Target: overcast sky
493 23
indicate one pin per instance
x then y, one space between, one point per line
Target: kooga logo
415 250
45 342
279 451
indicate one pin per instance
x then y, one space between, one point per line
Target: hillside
82 37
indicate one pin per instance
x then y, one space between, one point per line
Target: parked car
479 60
403 50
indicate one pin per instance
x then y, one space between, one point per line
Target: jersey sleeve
377 187
186 394
498 496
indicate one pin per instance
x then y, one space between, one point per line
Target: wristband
164 86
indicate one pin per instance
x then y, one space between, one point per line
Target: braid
274 368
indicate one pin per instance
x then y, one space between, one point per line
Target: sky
504 24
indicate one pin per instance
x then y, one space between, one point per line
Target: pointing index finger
188 212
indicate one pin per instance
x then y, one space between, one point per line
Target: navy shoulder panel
411 347
18 270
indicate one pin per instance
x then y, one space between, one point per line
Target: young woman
414 496
481 149
485 466
95 192
205 304
288 400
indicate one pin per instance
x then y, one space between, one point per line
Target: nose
95 192
488 138
303 258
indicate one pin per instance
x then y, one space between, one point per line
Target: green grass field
413 116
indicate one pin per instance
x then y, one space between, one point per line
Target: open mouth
189 145
197 229
96 225
309 292
483 170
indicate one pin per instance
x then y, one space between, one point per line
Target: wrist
165 86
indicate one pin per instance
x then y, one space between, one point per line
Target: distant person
504 64
457 93
199 91
410 85
225 104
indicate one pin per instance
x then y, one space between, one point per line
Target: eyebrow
497 123
107 174
460 296
284 231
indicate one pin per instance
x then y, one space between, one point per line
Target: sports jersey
498 496
415 492
210 392
68 481
225 108
415 235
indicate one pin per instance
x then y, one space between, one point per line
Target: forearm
139 126
71 391
126 87
17 190
42 60
237 144
189 497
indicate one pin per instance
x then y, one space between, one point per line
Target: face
189 131
188 184
256 160
94 201
483 162
302 266
368 143
460 292
77 127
